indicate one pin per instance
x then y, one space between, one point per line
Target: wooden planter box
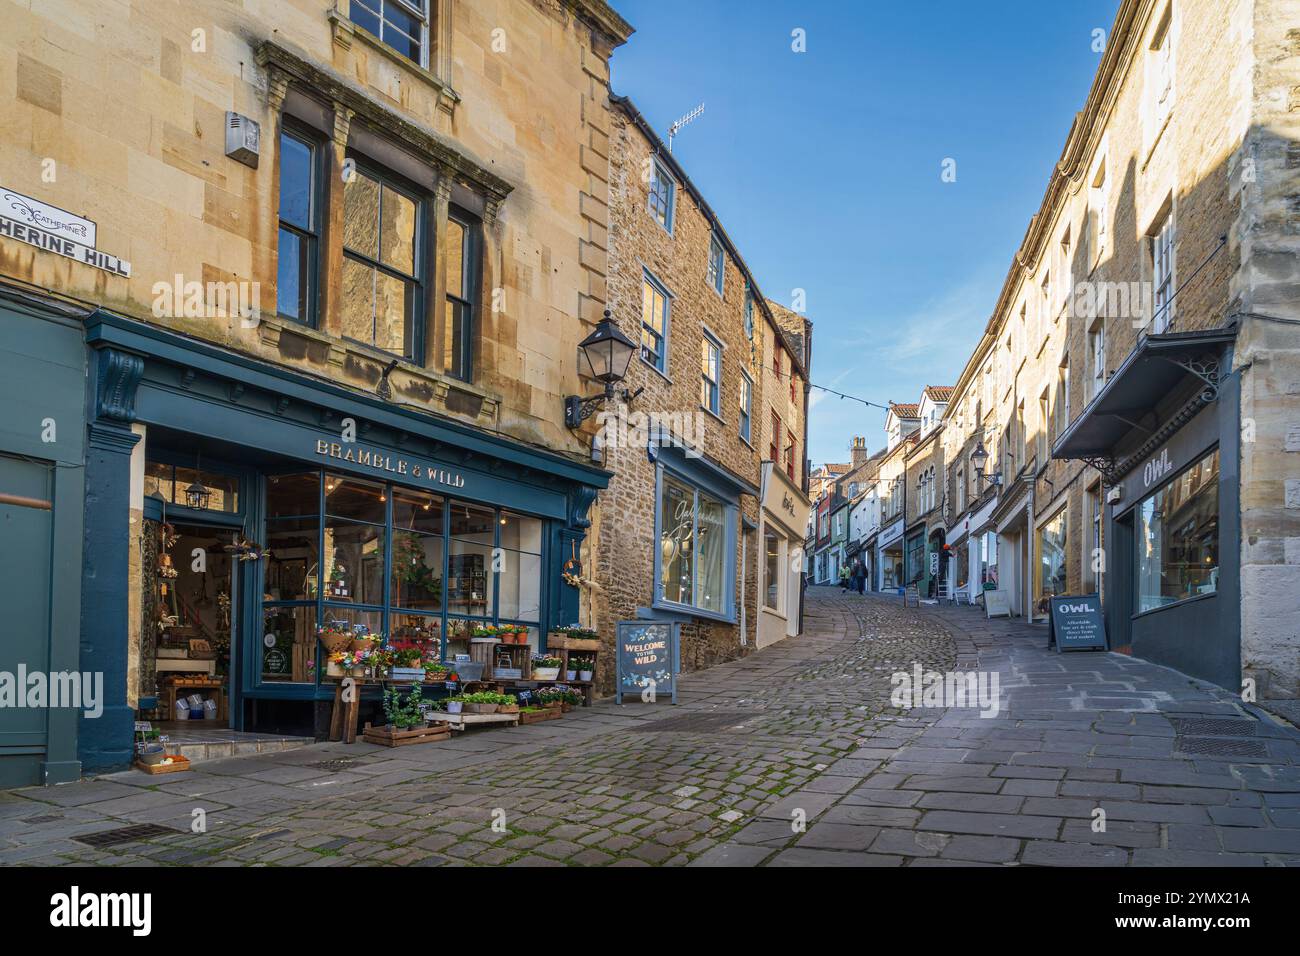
561 642
401 738
537 716
178 764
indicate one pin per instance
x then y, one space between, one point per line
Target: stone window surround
434 72
731 513
347 118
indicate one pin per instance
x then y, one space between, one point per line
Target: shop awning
1147 377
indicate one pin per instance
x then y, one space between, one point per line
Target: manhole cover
1220 747
711 722
142 831
1214 726
333 766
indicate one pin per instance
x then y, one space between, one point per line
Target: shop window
460 267
382 272
772 570
1178 537
520 570
169 482
1051 577
471 583
299 237
402 25
417 551
693 544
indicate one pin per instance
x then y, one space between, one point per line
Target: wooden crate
177 765
537 716
402 738
561 642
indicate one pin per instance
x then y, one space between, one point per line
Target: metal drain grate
142 831
710 722
1220 747
333 766
1214 726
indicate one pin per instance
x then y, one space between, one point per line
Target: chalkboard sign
1076 623
647 657
997 604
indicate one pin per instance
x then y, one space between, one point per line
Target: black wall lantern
979 460
196 495
607 352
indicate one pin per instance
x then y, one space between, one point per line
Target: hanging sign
1076 623
647 654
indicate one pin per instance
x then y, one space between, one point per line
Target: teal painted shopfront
324 506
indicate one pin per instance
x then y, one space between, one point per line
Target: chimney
859 452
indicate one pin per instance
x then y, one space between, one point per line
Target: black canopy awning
1157 368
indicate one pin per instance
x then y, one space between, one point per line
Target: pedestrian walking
844 579
862 577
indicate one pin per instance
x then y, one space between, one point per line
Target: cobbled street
801 731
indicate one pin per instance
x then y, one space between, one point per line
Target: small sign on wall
647 655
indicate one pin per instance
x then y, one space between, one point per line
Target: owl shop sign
56 230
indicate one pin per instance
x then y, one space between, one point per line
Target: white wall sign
47 218
51 229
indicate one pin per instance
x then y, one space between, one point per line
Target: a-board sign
997 603
647 654
1076 623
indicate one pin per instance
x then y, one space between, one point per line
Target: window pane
353 562
396 16
223 490
292 570
456 284
394 314
520 583
422 629
1051 562
417 570
288 644
363 14
710 573
292 280
361 622
521 533
473 523
1178 537
469 578
773 576
293 495
357 308
355 499
417 511
676 541
158 480
295 182
398 230
361 215
456 356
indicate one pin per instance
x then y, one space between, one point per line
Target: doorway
195 626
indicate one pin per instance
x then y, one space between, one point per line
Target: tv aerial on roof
689 117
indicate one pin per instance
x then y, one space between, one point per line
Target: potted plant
454 705
546 667
403 713
507 704
335 636
405 660
584 664
482 702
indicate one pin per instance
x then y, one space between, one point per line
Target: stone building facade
386 287
716 426
1138 361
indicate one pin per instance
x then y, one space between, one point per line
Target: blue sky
825 165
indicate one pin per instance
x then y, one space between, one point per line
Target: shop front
783 517
973 552
42 447
269 505
889 556
1171 479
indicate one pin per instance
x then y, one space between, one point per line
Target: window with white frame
1061 407
1097 356
746 405
717 264
402 25
1097 215
663 195
749 313
1162 274
710 373
1159 80
654 323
